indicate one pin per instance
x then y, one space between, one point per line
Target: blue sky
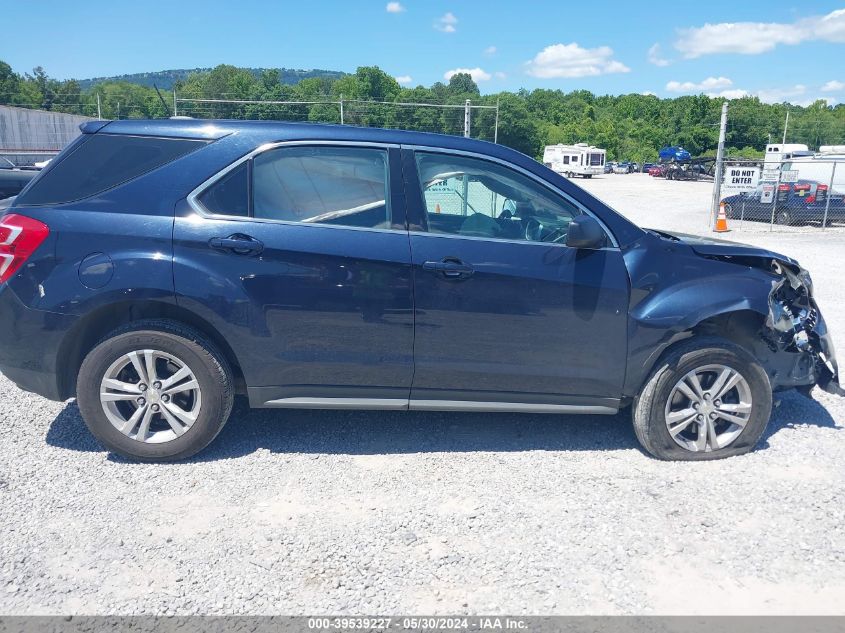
790 51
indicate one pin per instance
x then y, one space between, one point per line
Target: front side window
476 198
329 185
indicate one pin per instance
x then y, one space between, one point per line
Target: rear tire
661 402
166 421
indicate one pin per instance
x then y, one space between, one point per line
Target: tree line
629 126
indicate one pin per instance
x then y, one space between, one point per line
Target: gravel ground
347 512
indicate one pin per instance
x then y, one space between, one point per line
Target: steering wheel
536 231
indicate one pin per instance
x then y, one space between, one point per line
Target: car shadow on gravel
398 432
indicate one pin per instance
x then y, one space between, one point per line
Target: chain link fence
480 121
798 193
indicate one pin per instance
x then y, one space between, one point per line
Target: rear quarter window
102 162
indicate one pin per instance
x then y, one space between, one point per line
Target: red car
657 170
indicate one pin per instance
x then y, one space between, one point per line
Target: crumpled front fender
674 289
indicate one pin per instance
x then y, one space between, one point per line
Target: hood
712 247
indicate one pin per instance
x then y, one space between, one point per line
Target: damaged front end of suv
794 326
684 286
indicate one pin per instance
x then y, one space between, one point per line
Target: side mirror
585 232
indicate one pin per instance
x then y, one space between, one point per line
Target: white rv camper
571 160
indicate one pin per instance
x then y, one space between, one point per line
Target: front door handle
450 268
237 243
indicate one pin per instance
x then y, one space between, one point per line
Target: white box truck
777 152
574 160
827 167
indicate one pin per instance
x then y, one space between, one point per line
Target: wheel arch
90 328
740 326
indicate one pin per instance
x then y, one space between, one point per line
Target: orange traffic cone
437 208
721 220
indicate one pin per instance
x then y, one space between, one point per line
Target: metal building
28 135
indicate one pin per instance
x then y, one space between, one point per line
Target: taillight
20 236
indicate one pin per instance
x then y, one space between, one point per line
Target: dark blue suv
156 269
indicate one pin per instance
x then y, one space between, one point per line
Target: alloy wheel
708 408
150 396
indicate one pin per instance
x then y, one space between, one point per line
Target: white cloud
447 23
833 86
709 84
404 79
779 95
570 60
733 93
752 38
797 94
655 58
500 75
722 88
808 102
394 7
490 50
477 74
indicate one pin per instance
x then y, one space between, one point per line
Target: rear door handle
450 268
238 243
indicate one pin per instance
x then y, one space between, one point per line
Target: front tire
155 391
707 399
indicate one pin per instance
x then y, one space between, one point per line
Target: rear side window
230 194
102 162
324 185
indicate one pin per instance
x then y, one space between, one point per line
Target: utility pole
496 127
99 112
785 126
467 110
341 108
720 159
174 103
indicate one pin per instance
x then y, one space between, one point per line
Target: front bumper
30 343
826 368
797 334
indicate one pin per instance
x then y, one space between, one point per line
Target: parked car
157 268
13 179
797 203
674 154
656 170
646 167
609 167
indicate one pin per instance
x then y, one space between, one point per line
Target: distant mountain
165 79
